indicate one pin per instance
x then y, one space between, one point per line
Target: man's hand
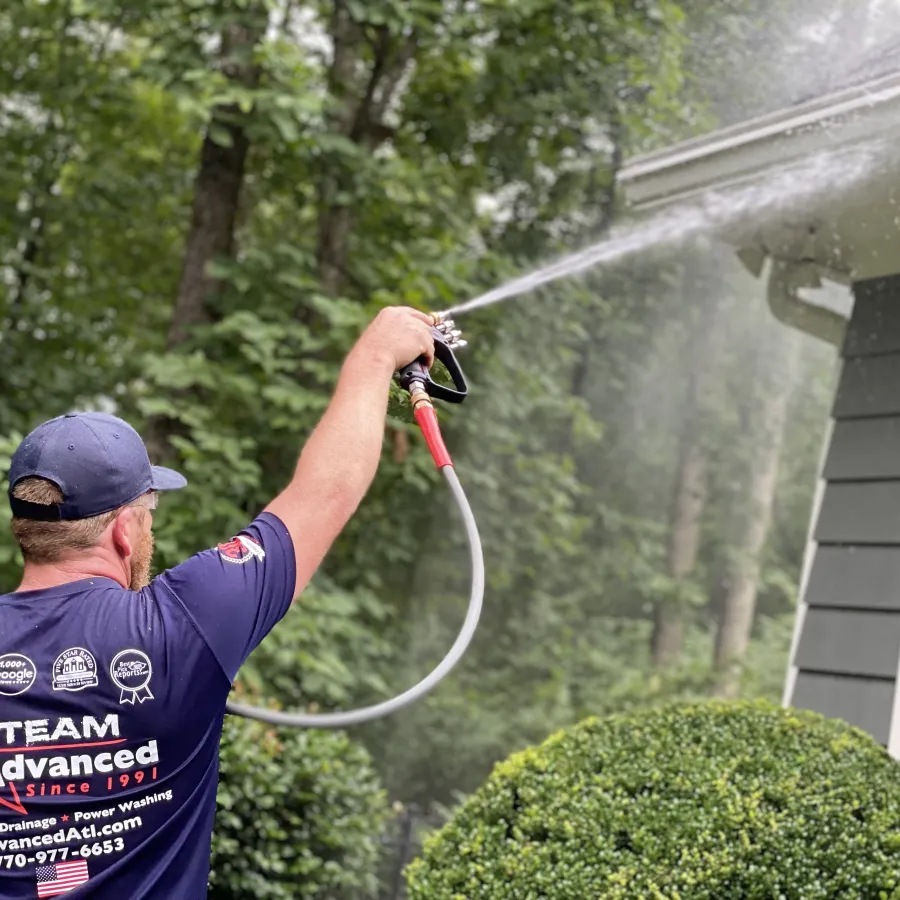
399 335
341 456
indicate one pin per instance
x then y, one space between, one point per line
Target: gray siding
869 387
875 326
863 702
850 642
864 449
846 660
860 513
855 578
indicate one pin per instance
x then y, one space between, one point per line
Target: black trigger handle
417 371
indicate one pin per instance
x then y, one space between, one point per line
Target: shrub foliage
718 801
299 816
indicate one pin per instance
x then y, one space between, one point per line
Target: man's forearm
338 462
341 457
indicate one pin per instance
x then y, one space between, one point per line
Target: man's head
82 491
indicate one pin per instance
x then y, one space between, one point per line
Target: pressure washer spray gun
416 379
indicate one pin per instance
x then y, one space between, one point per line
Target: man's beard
140 563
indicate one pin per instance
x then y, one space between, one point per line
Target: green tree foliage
299 816
715 800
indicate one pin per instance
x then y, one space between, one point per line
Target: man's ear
120 538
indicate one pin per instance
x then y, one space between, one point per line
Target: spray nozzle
447 328
416 375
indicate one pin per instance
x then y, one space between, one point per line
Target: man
113 687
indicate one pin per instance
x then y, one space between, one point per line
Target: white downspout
785 279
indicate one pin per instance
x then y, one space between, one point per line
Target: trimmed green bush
300 815
718 801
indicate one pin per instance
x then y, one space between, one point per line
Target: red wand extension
426 417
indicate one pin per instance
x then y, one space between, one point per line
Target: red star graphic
65 818
15 804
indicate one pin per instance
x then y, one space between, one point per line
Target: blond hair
49 542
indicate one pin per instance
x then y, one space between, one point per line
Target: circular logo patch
74 670
241 550
17 674
131 671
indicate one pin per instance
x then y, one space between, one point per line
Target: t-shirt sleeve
237 592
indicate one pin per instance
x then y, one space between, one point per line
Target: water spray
711 212
417 381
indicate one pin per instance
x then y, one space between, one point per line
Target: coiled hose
470 624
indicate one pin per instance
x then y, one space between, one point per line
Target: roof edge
781 124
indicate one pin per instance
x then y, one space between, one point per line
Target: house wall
846 653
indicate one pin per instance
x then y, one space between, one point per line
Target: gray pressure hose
379 710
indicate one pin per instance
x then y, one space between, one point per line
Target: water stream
834 172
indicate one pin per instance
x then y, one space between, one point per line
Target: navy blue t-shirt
111 710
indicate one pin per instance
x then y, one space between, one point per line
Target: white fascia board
742 152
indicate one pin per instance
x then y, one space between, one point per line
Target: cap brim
163 479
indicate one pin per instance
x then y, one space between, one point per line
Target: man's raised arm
341 457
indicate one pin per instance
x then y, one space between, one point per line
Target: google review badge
130 671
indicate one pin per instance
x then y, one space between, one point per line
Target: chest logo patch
17 674
74 670
131 671
240 550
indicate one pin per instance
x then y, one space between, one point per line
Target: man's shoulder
264 537
234 592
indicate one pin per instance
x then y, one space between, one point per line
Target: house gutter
735 155
752 150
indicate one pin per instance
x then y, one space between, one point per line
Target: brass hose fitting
418 397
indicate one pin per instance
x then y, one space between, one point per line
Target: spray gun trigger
417 372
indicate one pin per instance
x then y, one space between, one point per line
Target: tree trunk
216 196
739 603
361 95
667 640
217 187
690 488
217 190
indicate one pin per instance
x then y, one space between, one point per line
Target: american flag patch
61 877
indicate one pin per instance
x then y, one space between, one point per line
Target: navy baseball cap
98 461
